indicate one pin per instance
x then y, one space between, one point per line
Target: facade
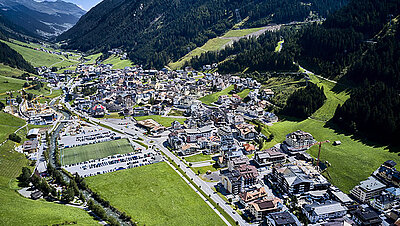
368 189
366 216
298 141
251 196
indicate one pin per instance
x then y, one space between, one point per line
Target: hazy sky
85 4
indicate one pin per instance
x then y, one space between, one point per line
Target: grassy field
211 45
165 121
278 47
95 151
16 210
240 33
211 98
244 93
114 115
154 195
174 112
203 169
117 62
198 158
92 58
40 58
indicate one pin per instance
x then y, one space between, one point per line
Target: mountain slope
39 19
11 58
157 32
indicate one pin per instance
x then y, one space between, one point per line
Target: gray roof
371 184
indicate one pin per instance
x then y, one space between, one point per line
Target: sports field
95 151
154 195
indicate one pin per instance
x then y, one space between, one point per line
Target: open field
198 158
29 212
165 121
40 58
244 93
92 58
114 115
95 151
240 33
154 195
211 45
117 62
211 98
8 124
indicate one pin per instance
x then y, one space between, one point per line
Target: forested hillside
11 58
373 109
157 32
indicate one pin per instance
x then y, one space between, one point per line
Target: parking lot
114 163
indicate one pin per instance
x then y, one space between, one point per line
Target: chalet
365 215
261 208
250 196
246 131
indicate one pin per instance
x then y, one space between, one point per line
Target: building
317 212
237 180
298 141
251 196
98 111
30 146
368 189
383 202
388 173
269 157
284 218
261 208
365 215
246 131
298 179
151 125
33 133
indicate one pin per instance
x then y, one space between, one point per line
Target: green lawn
154 195
240 33
114 115
95 151
40 58
203 169
16 210
117 62
165 121
198 158
92 58
211 98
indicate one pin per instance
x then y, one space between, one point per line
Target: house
383 202
316 211
388 173
188 149
246 131
284 218
337 195
98 110
30 146
269 157
261 208
151 125
368 189
33 133
298 141
365 215
250 196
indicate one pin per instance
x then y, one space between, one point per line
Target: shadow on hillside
290 118
359 137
